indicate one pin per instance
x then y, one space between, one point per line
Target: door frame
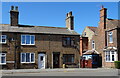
53 58
44 59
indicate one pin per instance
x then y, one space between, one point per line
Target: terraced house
104 41
25 46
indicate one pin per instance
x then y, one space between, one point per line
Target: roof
109 48
113 22
92 28
36 29
91 52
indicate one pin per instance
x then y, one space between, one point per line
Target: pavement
62 72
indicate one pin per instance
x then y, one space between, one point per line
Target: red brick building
105 39
25 46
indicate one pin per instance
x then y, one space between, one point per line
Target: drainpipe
15 53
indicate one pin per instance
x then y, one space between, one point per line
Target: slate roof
113 22
36 29
92 28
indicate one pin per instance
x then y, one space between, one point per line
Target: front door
56 60
41 61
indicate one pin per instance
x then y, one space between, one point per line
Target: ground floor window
110 56
27 57
68 58
2 58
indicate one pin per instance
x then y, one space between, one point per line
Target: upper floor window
84 33
110 56
68 41
27 39
2 58
3 39
93 44
110 35
27 57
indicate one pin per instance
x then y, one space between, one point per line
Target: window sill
109 61
27 62
68 46
2 63
110 42
3 43
28 44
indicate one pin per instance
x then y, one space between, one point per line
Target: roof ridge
43 26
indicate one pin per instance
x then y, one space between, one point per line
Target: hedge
117 64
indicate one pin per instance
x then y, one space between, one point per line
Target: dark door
56 60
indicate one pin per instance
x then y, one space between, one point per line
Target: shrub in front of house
117 64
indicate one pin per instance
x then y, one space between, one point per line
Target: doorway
56 59
41 60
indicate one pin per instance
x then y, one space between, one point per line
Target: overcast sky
54 13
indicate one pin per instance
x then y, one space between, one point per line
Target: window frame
25 41
2 39
26 58
110 36
110 56
68 41
1 59
66 58
93 44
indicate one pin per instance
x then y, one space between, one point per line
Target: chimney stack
70 21
14 16
103 16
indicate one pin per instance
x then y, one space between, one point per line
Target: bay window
110 56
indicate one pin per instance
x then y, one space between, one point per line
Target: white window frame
2 38
1 55
93 44
25 58
110 35
25 40
115 56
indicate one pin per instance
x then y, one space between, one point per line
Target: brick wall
43 43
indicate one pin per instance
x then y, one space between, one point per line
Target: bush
117 64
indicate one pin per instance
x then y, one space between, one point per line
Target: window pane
110 37
68 41
2 59
23 39
0 38
3 37
72 42
23 57
27 39
112 57
68 58
32 39
27 57
3 40
32 57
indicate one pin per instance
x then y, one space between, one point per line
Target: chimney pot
70 13
12 7
102 6
16 8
